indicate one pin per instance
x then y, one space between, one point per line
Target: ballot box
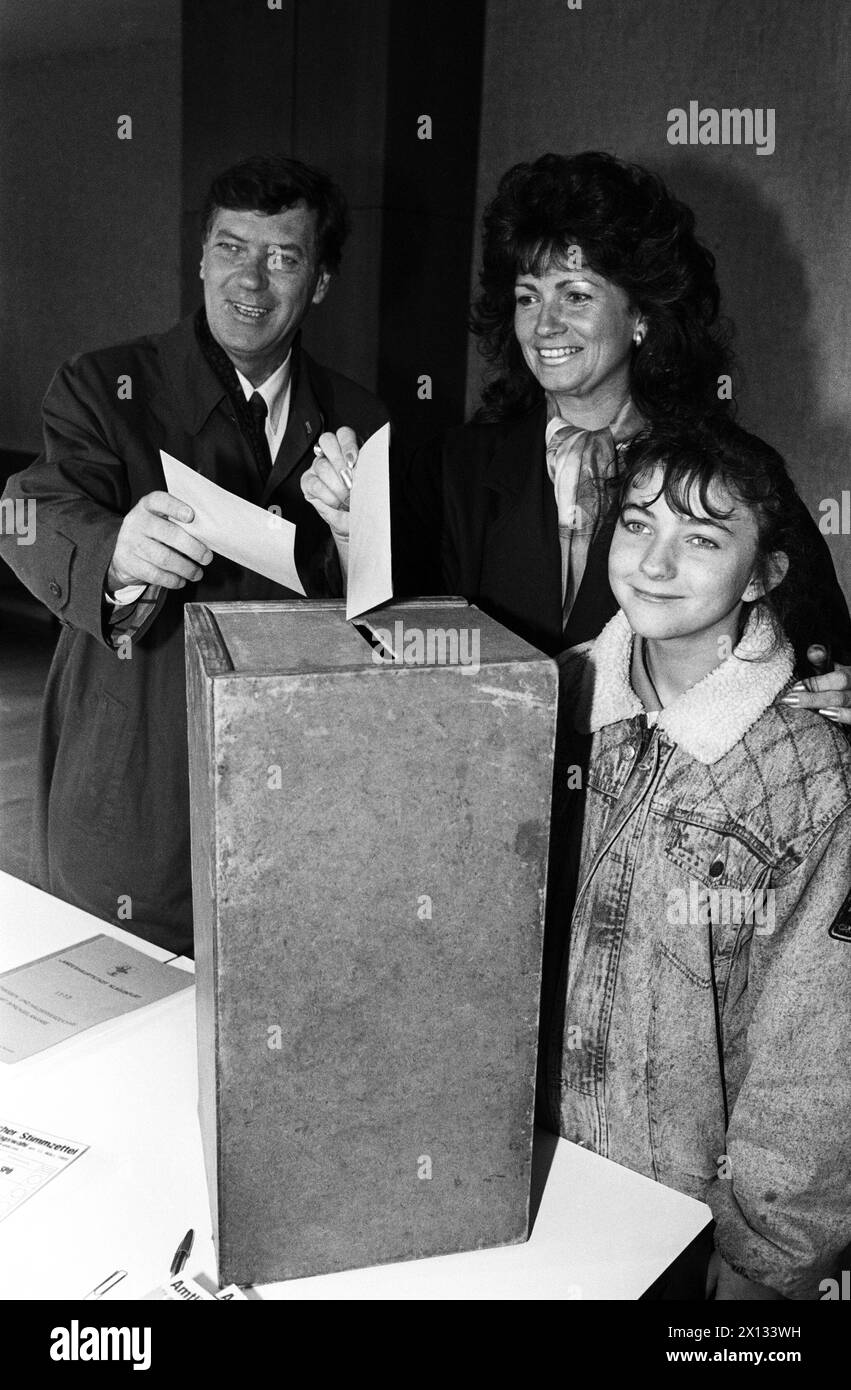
370 814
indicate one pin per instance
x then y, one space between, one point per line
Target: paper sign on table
29 1158
251 536
182 1289
370 580
53 998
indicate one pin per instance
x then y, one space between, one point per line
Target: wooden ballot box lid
256 638
370 818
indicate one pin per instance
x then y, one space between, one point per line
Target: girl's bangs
686 484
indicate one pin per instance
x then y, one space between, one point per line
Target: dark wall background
343 85
435 59
317 84
89 224
103 234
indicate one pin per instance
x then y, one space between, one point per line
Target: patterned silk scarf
580 463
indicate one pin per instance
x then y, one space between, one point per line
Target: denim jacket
700 1030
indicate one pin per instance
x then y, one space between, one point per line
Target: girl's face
674 575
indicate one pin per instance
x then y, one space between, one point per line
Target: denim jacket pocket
718 859
615 756
719 883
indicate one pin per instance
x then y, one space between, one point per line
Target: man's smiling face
260 278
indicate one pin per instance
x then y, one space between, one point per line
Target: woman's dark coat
475 515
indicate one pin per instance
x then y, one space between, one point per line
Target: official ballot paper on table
69 991
264 542
29 1158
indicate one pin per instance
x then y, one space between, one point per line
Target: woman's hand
328 482
725 1285
829 693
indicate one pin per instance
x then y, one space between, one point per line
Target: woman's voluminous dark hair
712 451
273 183
630 230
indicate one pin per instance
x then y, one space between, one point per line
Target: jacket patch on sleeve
841 929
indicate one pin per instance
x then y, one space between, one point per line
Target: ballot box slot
378 644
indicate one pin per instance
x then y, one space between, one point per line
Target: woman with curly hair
598 312
586 247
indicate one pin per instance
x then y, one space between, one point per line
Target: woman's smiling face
675 575
575 330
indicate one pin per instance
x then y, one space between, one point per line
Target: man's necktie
259 411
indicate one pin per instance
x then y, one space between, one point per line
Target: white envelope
259 540
370 581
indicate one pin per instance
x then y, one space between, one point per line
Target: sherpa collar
707 720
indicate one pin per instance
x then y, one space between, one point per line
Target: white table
127 1088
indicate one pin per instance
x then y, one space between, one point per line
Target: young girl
698 1029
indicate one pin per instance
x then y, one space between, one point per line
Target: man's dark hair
633 232
273 183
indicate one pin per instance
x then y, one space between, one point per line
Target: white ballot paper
259 540
370 581
29 1158
264 542
53 998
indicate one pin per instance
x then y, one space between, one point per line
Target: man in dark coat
231 393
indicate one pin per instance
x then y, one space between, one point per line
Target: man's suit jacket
111 828
475 515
